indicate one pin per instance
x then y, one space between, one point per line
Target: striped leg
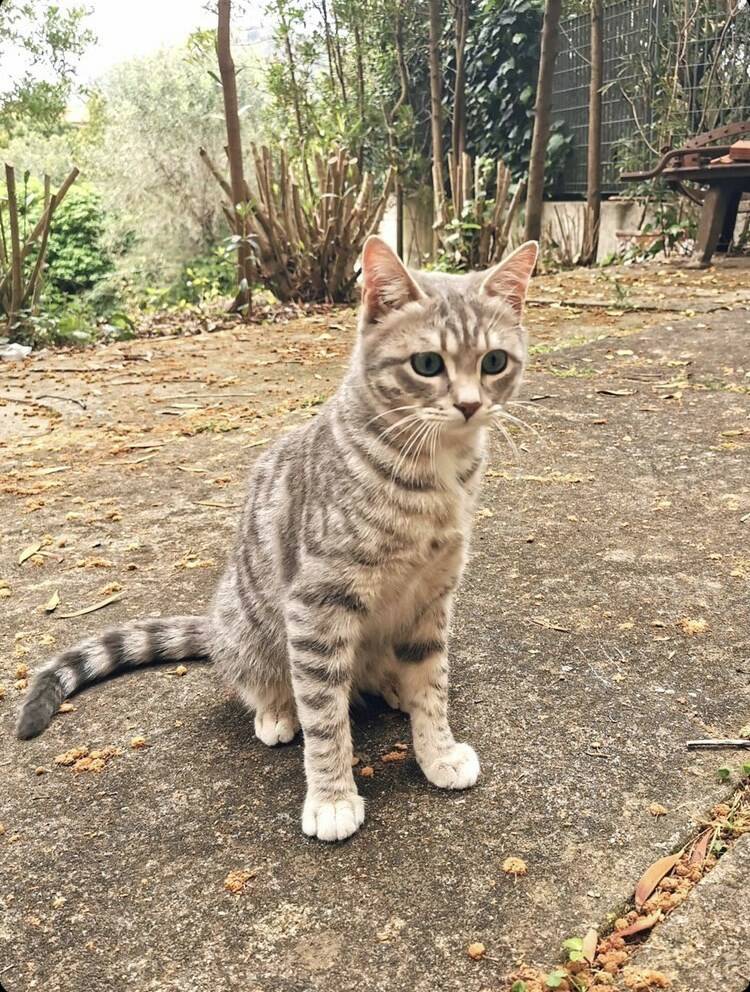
323 628
423 693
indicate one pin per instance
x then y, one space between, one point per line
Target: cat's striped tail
143 642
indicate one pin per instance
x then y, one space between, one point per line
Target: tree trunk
458 129
542 119
436 119
234 153
594 169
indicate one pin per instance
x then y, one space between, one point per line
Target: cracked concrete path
575 672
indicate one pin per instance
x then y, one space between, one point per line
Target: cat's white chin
455 769
332 820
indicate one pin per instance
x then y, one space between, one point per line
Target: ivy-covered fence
672 68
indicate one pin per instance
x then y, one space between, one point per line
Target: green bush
76 257
205 277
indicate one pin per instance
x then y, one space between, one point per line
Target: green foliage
724 774
206 277
671 231
574 948
161 207
334 80
42 41
556 978
76 256
502 62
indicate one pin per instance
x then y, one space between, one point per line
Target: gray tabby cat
353 539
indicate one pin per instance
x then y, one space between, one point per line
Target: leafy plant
77 256
556 978
574 948
502 60
724 774
48 39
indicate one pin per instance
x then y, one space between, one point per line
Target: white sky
127 28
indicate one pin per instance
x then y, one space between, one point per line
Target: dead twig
736 743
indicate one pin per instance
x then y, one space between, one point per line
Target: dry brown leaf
53 602
476 951
641 924
590 943
653 876
367 772
693 627
236 880
700 852
515 866
28 551
90 609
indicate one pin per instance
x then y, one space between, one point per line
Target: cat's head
450 348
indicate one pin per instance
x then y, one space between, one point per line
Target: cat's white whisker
515 420
395 409
511 443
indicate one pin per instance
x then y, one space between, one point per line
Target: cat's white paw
274 728
454 769
335 820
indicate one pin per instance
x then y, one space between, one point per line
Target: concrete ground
603 623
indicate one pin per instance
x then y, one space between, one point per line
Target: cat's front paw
457 768
274 728
334 819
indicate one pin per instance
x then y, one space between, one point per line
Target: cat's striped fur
352 541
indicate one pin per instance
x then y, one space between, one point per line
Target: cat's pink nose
467 409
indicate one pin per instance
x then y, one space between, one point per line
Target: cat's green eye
494 362
427 363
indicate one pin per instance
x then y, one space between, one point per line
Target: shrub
76 257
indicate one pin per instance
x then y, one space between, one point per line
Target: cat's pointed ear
386 283
509 280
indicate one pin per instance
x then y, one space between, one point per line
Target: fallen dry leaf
653 876
66 708
28 551
700 852
641 924
476 951
138 743
90 609
590 942
236 880
656 809
515 866
693 627
53 602
367 772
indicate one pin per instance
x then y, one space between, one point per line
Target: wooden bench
720 182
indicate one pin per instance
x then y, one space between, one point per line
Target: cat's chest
412 580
